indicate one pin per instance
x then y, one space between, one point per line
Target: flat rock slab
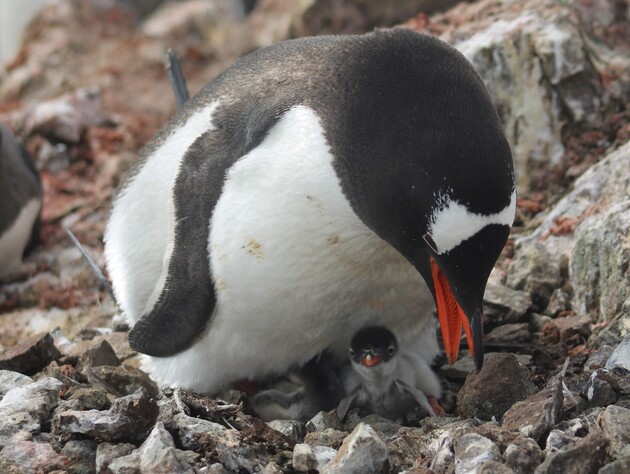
30 355
129 418
536 415
502 382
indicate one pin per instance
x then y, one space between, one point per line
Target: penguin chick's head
372 346
430 171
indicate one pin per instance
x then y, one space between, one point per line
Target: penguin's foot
437 408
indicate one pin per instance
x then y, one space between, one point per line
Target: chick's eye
391 350
352 353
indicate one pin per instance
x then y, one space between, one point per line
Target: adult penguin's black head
426 165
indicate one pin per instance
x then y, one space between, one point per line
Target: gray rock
472 451
10 380
26 407
81 456
101 353
523 455
600 263
293 429
502 304
107 452
558 302
30 355
432 441
308 458
620 356
534 416
557 440
459 370
508 334
329 437
620 466
65 118
598 359
28 456
538 321
615 423
536 273
600 187
122 380
89 398
189 429
599 392
157 454
585 456
362 451
324 420
493 467
129 418
489 393
526 60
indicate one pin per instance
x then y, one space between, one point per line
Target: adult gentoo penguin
304 194
20 202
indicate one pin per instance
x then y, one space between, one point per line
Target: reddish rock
30 355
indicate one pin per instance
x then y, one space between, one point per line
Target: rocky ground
89 88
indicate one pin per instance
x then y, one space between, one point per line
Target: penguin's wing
418 396
346 403
185 299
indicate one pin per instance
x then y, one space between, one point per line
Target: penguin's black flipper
187 301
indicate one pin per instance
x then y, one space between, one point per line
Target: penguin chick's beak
370 360
452 318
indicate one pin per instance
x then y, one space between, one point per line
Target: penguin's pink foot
437 408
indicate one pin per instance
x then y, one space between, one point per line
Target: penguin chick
300 394
20 202
385 379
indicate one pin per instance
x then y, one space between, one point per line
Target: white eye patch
452 224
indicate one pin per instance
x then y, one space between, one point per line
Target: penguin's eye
352 353
391 350
430 242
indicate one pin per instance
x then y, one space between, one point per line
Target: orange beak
451 315
370 360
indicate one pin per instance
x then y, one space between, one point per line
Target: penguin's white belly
294 269
14 239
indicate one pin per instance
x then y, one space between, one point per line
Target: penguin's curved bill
452 318
370 360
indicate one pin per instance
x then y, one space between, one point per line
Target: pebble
189 429
30 355
324 420
107 452
472 451
311 458
30 456
587 455
502 305
491 392
523 455
129 418
599 392
10 380
361 452
26 408
329 437
534 416
157 454
615 424
293 429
